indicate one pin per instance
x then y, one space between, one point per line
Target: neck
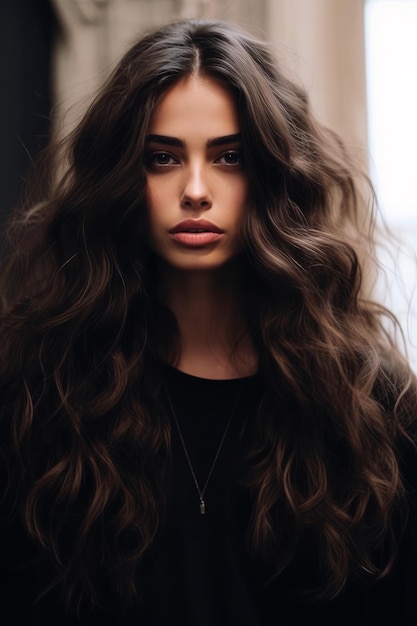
213 334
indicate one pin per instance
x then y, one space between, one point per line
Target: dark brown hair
87 442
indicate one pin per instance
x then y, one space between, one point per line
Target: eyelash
234 153
152 160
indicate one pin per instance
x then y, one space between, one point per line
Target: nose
196 193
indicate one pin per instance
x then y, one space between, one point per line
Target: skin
195 172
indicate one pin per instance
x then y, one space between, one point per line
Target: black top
199 571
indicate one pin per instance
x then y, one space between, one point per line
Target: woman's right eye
161 159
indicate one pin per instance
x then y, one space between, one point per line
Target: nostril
196 203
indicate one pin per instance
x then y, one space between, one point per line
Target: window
391 50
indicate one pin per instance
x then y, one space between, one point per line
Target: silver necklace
202 491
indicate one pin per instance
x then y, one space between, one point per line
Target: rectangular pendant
202 507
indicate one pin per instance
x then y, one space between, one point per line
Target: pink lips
196 233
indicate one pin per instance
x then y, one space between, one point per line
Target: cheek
238 199
151 198
155 203
153 217
160 196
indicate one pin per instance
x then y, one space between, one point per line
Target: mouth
196 233
196 227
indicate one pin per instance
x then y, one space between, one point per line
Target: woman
203 418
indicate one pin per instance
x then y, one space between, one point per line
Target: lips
196 233
196 226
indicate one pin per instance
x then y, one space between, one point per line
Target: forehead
196 104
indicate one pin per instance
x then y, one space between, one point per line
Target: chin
203 266
203 260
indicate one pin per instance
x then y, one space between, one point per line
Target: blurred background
356 58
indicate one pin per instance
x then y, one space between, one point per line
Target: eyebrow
179 143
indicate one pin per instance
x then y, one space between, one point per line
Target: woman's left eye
231 157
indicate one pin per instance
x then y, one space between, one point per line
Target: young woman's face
197 186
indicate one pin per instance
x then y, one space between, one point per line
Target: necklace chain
202 491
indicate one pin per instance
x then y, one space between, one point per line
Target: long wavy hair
87 442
